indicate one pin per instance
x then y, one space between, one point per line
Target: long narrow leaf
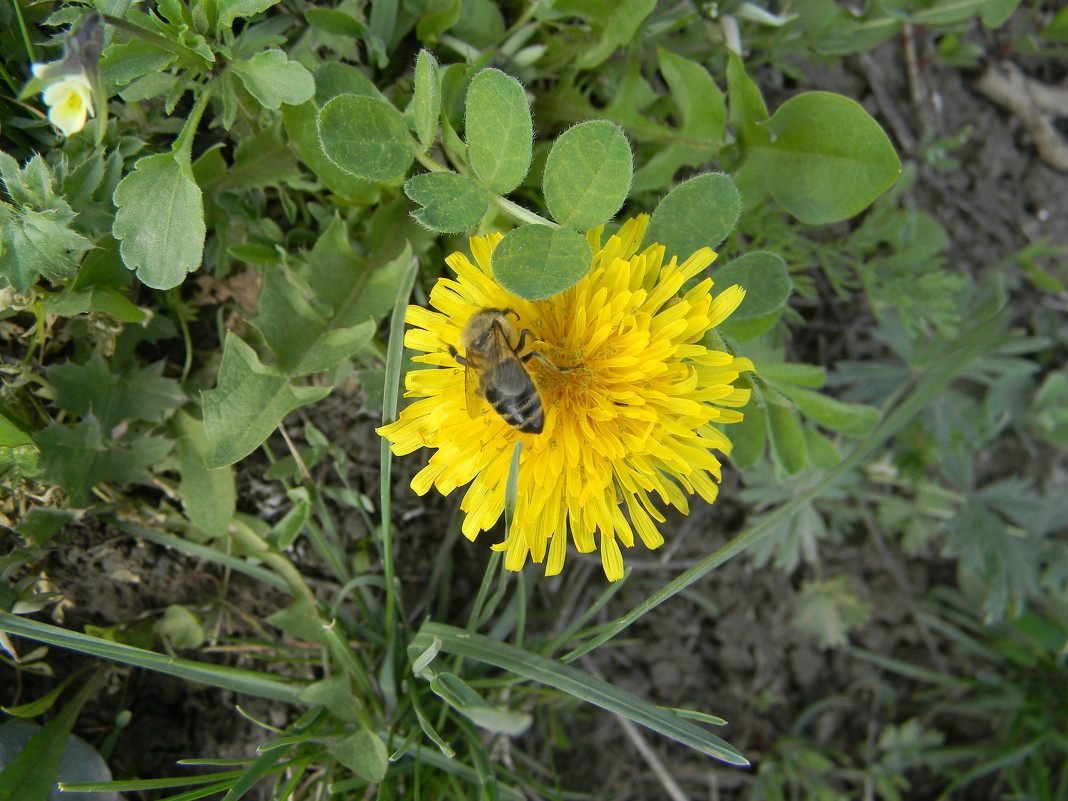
575 683
229 678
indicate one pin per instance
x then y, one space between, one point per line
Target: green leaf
747 108
822 453
209 497
618 23
42 523
113 398
575 683
365 137
271 78
451 202
787 438
120 64
766 281
263 158
536 261
160 220
35 234
109 300
426 99
248 403
326 312
459 695
499 130
229 10
16 448
804 375
78 459
31 773
825 158
851 419
364 753
300 121
702 123
828 609
697 213
588 174
180 627
335 21
748 437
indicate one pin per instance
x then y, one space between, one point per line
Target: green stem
183 145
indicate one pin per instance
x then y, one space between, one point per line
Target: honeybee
495 371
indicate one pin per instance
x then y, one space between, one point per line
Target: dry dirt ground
736 655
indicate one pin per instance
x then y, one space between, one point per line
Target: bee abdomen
522 410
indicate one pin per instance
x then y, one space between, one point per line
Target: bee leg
460 360
546 362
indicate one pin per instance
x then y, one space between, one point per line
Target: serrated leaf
17 448
209 497
536 261
365 137
825 158
160 220
113 398
697 213
498 130
766 281
262 159
273 79
248 403
451 202
588 174
78 459
426 99
34 243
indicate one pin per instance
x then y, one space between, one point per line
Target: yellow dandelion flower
635 415
69 99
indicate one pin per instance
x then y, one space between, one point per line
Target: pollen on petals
630 423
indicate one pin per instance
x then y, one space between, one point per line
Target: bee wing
473 386
481 360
